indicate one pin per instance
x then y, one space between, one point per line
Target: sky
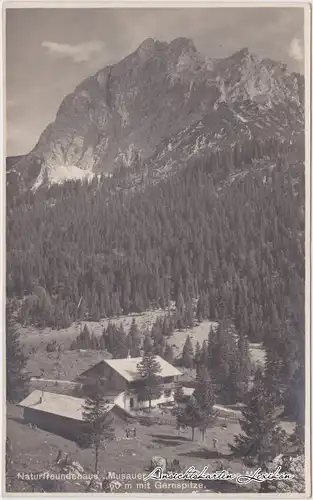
50 51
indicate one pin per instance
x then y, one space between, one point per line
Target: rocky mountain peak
181 45
241 54
150 46
164 103
147 44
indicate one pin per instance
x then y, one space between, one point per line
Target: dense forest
227 231
206 232
223 238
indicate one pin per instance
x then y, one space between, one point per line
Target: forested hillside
227 228
226 233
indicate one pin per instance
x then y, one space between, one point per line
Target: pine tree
148 369
120 344
147 344
204 395
102 343
197 357
94 342
235 384
99 428
224 361
189 314
134 340
294 397
16 376
167 328
159 346
262 438
84 339
180 311
169 353
200 309
108 335
244 363
297 439
156 331
204 354
187 355
190 415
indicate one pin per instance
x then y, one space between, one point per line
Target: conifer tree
294 397
94 342
134 339
167 328
99 424
298 438
156 331
244 361
189 314
120 344
109 334
168 353
224 363
190 415
85 338
149 369
204 354
235 385
16 375
159 346
102 343
187 355
180 311
200 309
147 343
204 395
262 438
197 357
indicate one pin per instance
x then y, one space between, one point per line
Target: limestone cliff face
163 104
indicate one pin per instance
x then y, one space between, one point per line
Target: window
131 402
167 393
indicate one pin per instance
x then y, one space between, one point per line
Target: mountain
160 106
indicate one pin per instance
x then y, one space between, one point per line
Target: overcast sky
50 51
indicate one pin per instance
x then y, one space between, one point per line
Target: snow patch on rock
241 118
60 174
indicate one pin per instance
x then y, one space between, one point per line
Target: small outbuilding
57 413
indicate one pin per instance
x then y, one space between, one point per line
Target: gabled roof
57 404
127 368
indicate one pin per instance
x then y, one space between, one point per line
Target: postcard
157 248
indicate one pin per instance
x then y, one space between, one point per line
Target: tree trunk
265 487
96 458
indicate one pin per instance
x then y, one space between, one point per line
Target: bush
51 346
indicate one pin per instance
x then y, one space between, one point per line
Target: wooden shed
57 413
